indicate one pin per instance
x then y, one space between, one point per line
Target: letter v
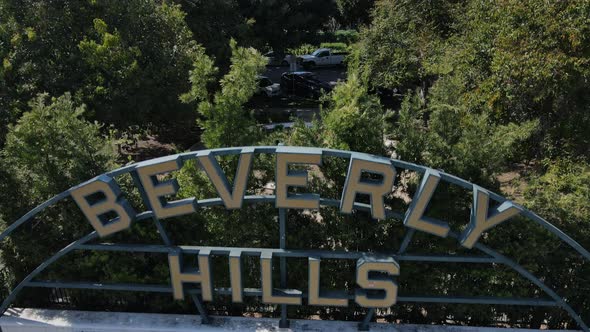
232 199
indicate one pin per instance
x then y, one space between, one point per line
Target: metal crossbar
257 292
154 248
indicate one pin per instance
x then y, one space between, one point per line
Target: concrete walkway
38 320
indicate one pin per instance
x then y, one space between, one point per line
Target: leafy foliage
353 13
52 148
462 143
225 122
562 195
49 150
353 119
214 24
529 60
402 39
283 24
335 46
112 56
302 49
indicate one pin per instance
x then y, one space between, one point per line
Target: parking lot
285 107
328 74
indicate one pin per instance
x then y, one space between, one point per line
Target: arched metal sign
104 205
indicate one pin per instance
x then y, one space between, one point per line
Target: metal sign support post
284 322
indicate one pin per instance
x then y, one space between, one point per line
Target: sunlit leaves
225 120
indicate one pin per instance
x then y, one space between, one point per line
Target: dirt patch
514 182
147 148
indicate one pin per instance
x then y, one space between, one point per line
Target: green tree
263 24
52 148
115 66
353 13
49 150
127 61
214 24
8 39
353 119
524 60
225 121
283 24
560 193
403 40
471 146
515 60
461 142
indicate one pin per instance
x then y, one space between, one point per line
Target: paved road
284 114
329 74
275 112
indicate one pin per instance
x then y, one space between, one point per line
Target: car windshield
317 52
311 77
264 82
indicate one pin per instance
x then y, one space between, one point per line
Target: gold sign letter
232 198
480 219
112 202
203 276
366 265
355 184
155 190
268 293
415 214
235 273
338 300
286 179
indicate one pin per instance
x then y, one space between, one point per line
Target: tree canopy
128 62
514 60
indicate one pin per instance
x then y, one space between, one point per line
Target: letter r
376 189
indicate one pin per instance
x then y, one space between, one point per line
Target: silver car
267 88
275 59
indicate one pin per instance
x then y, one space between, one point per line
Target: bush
302 49
49 150
346 36
335 46
53 148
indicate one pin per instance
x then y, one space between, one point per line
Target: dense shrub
335 46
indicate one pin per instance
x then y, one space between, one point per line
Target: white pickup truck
322 57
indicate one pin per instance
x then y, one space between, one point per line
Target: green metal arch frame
493 256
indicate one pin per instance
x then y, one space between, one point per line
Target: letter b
96 212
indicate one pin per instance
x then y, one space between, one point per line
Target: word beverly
112 202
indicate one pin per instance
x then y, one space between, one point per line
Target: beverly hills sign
112 213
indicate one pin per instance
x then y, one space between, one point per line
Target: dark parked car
304 83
